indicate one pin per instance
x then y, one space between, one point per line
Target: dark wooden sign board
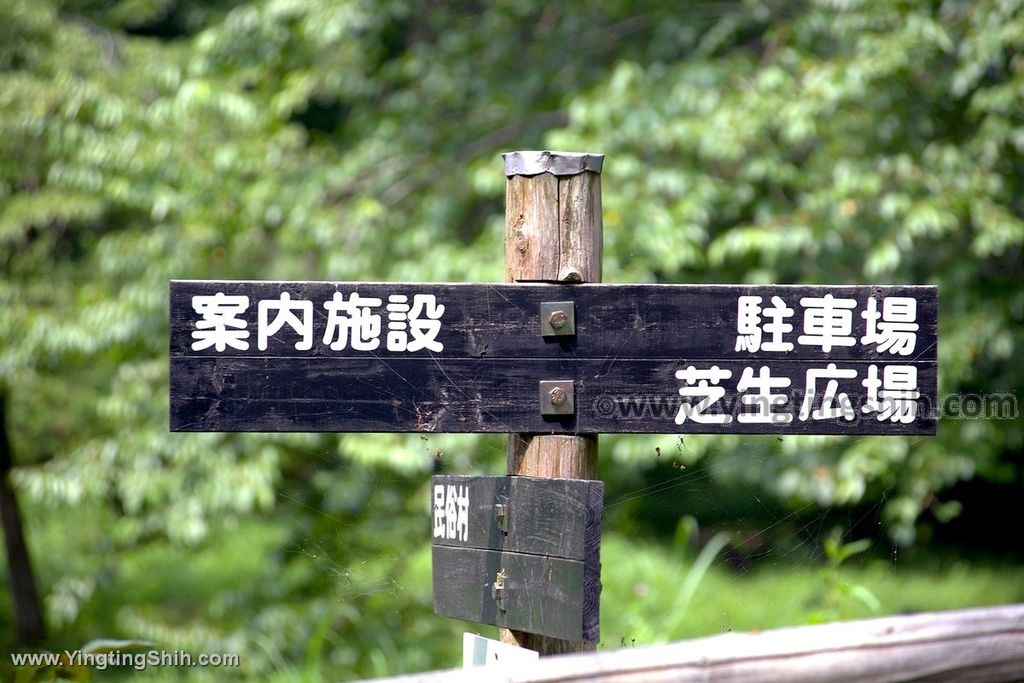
399 357
519 552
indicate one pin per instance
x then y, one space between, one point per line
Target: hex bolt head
556 397
558 319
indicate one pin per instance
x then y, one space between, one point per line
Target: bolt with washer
558 396
558 319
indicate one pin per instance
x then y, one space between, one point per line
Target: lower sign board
519 552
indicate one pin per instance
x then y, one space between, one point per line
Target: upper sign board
336 356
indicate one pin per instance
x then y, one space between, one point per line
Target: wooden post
553 233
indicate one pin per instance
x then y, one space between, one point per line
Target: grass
643 601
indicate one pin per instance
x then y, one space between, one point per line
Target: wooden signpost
553 362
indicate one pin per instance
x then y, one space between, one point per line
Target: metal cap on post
555 163
553 233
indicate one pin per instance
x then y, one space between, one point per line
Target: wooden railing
976 645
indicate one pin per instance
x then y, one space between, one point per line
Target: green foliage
696 573
648 578
861 142
144 140
838 593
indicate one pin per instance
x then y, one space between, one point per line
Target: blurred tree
28 609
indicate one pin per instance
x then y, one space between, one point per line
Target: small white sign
480 651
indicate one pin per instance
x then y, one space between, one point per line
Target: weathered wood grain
531 227
591 611
540 595
554 456
494 321
554 517
580 229
463 395
981 645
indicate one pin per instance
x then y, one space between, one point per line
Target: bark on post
553 233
